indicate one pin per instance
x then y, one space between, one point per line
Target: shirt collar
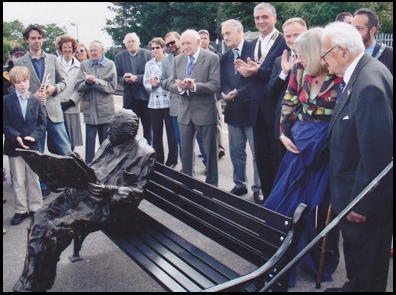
43 54
102 61
196 54
267 38
136 53
20 96
349 71
240 46
370 50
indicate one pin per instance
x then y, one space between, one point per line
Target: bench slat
222 209
277 220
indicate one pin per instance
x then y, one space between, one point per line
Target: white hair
193 33
98 43
132 35
263 5
344 34
235 23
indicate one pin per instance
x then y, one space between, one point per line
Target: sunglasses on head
79 51
171 43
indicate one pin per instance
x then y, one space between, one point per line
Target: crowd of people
315 106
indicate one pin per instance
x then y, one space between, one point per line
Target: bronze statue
122 167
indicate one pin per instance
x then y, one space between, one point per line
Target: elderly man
235 91
96 82
196 78
361 145
130 65
263 51
122 166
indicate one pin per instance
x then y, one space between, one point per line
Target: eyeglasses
324 55
79 51
360 28
171 43
156 47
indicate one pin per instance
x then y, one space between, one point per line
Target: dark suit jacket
260 101
276 88
123 65
361 139
386 57
237 111
14 125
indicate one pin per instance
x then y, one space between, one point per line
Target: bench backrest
249 230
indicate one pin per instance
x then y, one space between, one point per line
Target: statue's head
123 126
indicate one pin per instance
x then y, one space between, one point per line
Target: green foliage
153 19
12 36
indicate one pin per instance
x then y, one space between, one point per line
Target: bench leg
77 244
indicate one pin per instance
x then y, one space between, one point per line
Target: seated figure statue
123 165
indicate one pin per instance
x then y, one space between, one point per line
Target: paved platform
106 268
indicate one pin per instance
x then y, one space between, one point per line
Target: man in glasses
360 145
172 42
130 65
366 22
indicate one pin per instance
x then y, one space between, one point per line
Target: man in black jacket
130 65
361 145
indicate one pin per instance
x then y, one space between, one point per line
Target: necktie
190 67
259 50
236 56
340 89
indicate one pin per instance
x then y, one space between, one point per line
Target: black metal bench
262 237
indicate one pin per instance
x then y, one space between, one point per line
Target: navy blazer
260 100
14 125
237 111
123 65
361 139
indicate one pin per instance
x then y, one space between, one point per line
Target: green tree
52 32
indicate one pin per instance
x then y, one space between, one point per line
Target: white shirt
195 55
265 41
349 71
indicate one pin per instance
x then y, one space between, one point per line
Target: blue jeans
59 137
238 136
90 141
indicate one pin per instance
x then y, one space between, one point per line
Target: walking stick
373 184
324 245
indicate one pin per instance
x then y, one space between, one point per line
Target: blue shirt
370 50
23 102
38 65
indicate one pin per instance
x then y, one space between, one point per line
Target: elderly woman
306 112
159 104
67 46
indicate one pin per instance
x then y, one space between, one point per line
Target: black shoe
239 191
258 197
333 290
18 218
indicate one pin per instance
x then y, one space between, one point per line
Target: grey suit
53 107
197 110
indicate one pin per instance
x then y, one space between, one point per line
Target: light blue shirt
370 50
23 102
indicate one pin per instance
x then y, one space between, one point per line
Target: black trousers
266 154
139 107
366 250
